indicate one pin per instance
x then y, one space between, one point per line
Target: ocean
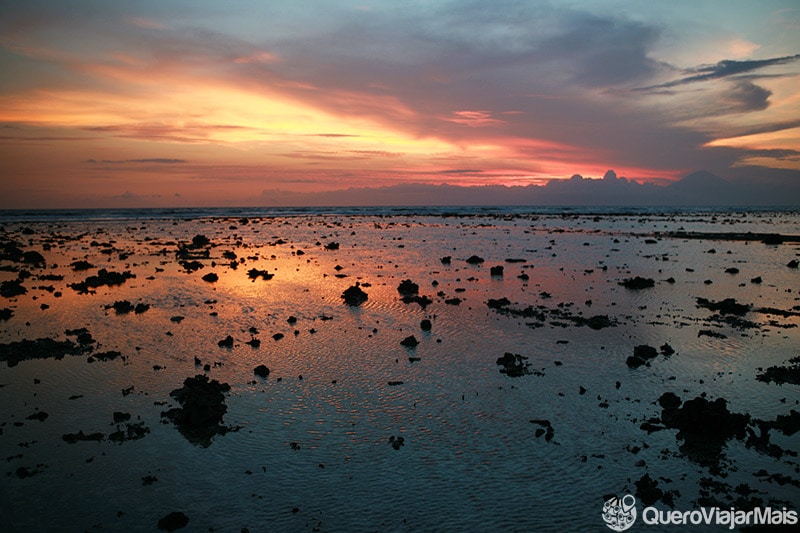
560 357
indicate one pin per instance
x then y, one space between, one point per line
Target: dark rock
41 416
513 365
211 277
408 288
496 270
202 408
354 296
78 266
447 259
728 306
637 283
453 301
255 273
423 301
425 325
6 313
711 333
33 257
227 342
732 270
498 303
254 342
666 350
11 288
72 438
200 241
793 263
474 260
756 280
642 355
176 519
121 307
647 490
410 342
332 246
14 352
120 417
261 371
704 426
782 374
396 442
103 277
278 336
546 429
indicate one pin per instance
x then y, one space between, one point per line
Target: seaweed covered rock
202 407
704 426
408 288
11 288
103 277
642 355
410 342
638 283
728 306
513 365
173 521
354 295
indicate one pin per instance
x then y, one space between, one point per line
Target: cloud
723 69
126 161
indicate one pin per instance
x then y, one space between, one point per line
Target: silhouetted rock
354 296
704 426
202 408
546 429
211 277
255 273
33 258
513 365
496 270
408 288
445 260
44 348
425 325
498 303
793 263
637 283
6 313
103 277
261 371
475 260
396 442
72 438
78 266
642 355
173 521
121 307
227 342
11 288
410 342
332 246
728 306
782 374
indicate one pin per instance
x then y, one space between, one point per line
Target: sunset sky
184 103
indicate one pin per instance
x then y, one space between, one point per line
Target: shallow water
471 459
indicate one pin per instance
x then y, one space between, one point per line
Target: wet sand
407 373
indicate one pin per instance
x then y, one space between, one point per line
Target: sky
199 103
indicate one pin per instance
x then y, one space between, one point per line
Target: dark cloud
126 161
724 69
744 96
